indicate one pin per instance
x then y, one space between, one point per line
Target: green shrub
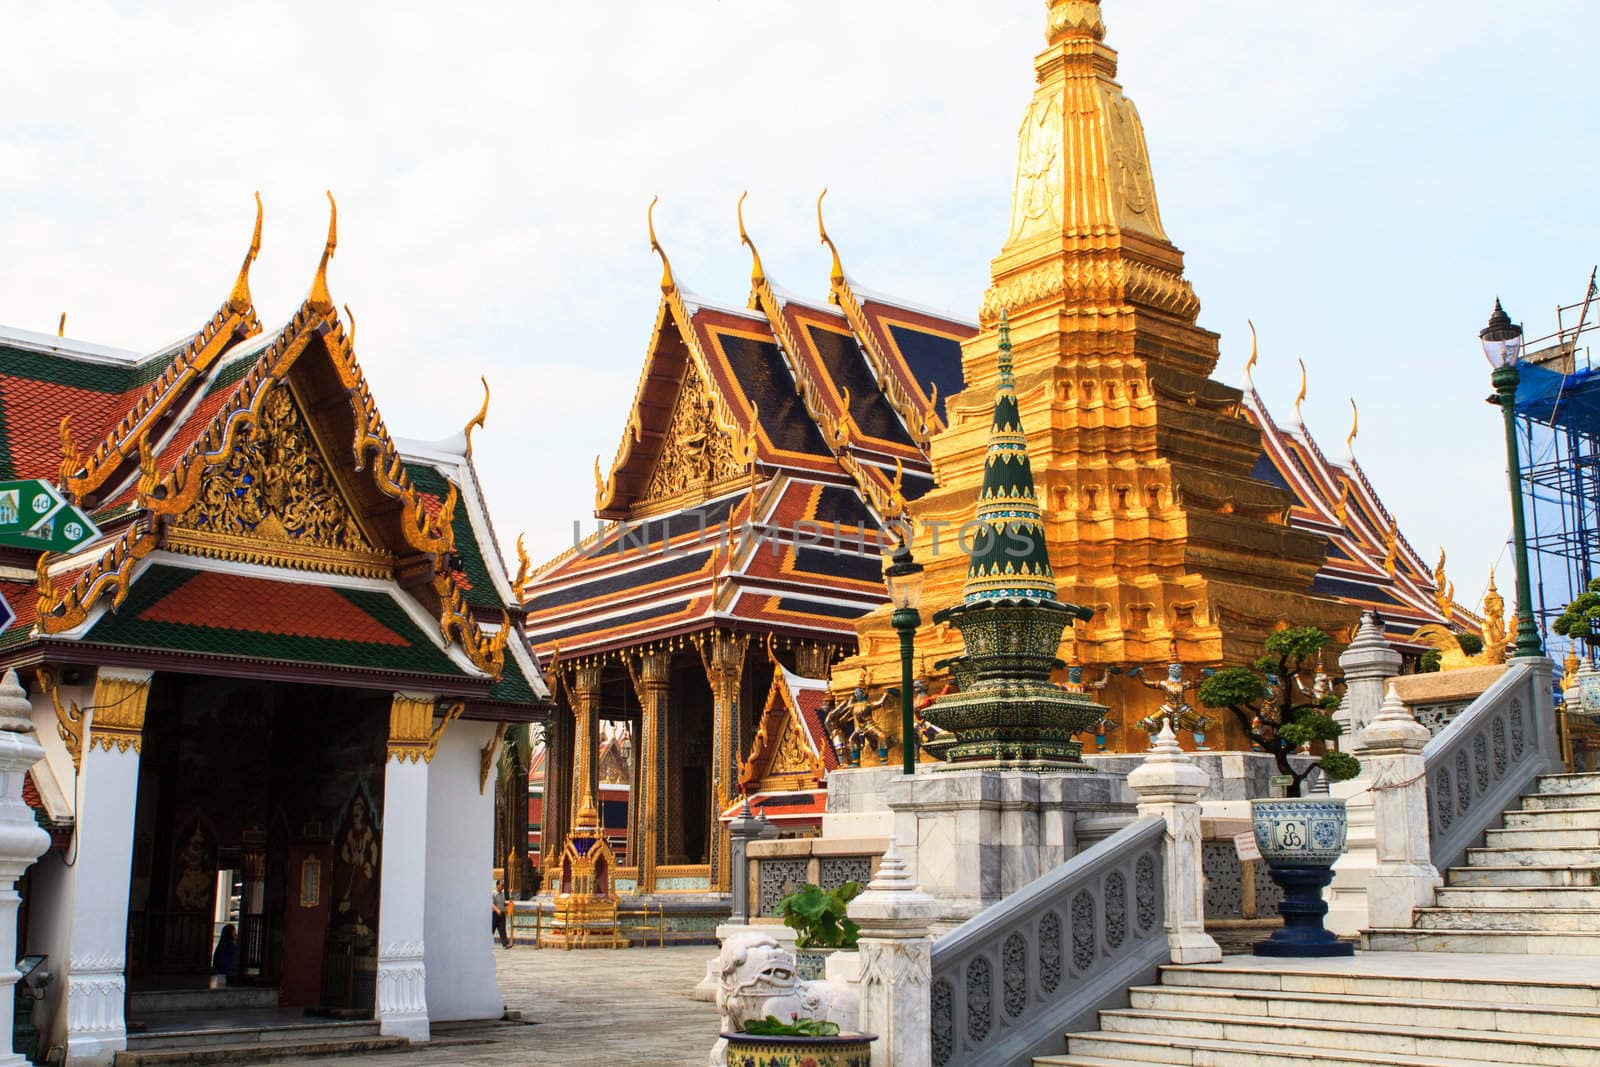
820 916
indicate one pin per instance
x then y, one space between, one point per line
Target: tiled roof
244 617
472 575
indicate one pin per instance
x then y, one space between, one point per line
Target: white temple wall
50 891
459 952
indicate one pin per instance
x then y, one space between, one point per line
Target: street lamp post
1502 346
904 580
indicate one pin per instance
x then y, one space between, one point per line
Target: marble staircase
1533 887
1407 1009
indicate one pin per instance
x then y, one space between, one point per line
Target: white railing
1487 757
1007 984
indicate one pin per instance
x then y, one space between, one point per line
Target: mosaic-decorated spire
1009 558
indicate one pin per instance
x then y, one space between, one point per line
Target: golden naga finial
1444 591
1494 623
477 421
837 277
524 569
1391 546
239 299
320 296
45 585
1355 427
1250 364
350 338
772 653
71 462
149 475
1341 509
599 485
758 274
1301 398
61 327
667 282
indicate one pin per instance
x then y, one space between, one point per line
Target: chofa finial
1300 398
239 299
1250 364
1355 427
758 274
477 421
837 277
667 282
320 296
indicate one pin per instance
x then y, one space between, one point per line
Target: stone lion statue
757 979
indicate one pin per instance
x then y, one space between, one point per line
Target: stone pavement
580 1009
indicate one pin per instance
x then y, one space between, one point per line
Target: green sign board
34 514
26 504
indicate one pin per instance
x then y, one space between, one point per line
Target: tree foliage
1277 710
1580 620
819 916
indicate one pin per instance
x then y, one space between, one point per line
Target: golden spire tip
319 285
477 421
822 232
757 273
667 282
239 299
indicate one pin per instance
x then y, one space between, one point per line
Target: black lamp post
1502 346
904 579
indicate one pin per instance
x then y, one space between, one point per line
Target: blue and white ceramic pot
1589 691
1300 831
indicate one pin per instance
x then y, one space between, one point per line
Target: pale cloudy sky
1360 178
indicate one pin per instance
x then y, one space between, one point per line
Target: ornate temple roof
1370 563
256 516
785 775
765 448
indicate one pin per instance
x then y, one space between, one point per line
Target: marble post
654 683
21 840
1368 663
108 792
896 964
402 1007
743 829
1404 878
1169 784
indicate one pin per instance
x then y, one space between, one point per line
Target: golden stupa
1143 463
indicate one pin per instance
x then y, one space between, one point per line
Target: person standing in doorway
499 904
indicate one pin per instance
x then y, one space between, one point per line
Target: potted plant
1580 621
1299 837
818 916
771 1042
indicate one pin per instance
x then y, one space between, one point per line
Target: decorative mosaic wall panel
776 880
683 883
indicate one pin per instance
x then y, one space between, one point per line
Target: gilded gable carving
792 756
695 453
275 500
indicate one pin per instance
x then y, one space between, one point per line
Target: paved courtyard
581 1009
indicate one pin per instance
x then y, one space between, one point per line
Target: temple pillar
723 657
654 683
21 839
108 793
585 740
1169 784
402 1002
555 803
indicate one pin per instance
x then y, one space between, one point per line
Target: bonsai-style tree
1275 708
1580 620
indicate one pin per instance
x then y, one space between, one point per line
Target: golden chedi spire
1142 464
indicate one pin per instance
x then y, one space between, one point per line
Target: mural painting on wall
195 870
355 866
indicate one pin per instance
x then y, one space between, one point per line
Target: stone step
1514 876
1534 857
162 1035
1523 942
1557 801
1379 1010
1380 1041
1558 819
1553 920
1569 783
1542 838
256 1052
1104 1049
1500 896
1469 985
234 998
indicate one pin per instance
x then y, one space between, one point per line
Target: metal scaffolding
1558 414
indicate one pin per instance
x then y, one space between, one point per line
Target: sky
1360 179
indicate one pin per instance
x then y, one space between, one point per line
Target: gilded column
109 777
586 741
654 681
556 813
723 657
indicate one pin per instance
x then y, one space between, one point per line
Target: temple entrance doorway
259 808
